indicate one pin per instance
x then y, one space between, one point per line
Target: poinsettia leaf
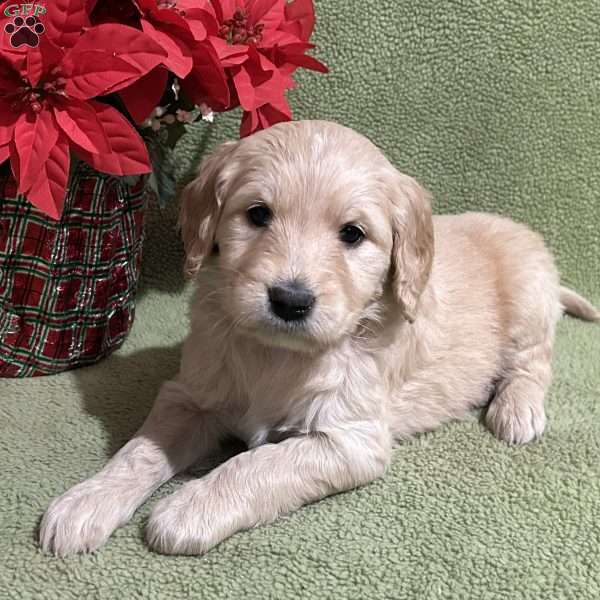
278 39
4 153
229 55
269 13
224 9
265 116
95 73
299 18
289 43
250 123
188 28
9 77
144 95
123 42
306 61
179 56
258 82
48 191
147 5
167 16
260 64
126 12
14 161
289 55
196 20
64 20
15 58
189 5
128 155
206 17
35 135
245 89
207 81
79 121
42 59
8 120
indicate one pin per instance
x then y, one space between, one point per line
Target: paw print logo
25 32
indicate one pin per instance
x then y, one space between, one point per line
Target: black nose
291 301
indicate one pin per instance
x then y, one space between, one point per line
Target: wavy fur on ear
201 204
412 253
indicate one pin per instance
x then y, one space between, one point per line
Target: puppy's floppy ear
412 253
201 204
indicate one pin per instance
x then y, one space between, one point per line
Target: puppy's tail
577 306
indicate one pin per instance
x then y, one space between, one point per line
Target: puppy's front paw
517 414
187 522
82 519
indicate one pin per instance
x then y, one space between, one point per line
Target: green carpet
494 105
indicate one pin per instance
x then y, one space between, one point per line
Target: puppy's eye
352 235
259 215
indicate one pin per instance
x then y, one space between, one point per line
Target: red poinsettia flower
243 52
260 43
178 26
47 106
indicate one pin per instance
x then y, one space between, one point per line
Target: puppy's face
304 219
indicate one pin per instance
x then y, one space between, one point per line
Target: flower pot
67 288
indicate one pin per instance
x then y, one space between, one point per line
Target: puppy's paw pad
516 421
177 527
79 521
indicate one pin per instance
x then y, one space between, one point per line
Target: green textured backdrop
493 105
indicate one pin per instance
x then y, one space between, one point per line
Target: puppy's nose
291 301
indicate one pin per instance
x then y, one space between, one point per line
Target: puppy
333 316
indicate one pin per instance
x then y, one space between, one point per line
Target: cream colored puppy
333 316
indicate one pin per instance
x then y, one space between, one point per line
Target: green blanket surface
493 105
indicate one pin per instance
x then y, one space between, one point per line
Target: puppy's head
306 224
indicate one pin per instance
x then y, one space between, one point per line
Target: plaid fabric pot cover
67 288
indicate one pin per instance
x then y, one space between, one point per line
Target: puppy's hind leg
516 413
529 297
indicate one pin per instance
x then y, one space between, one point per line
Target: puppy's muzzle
291 301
